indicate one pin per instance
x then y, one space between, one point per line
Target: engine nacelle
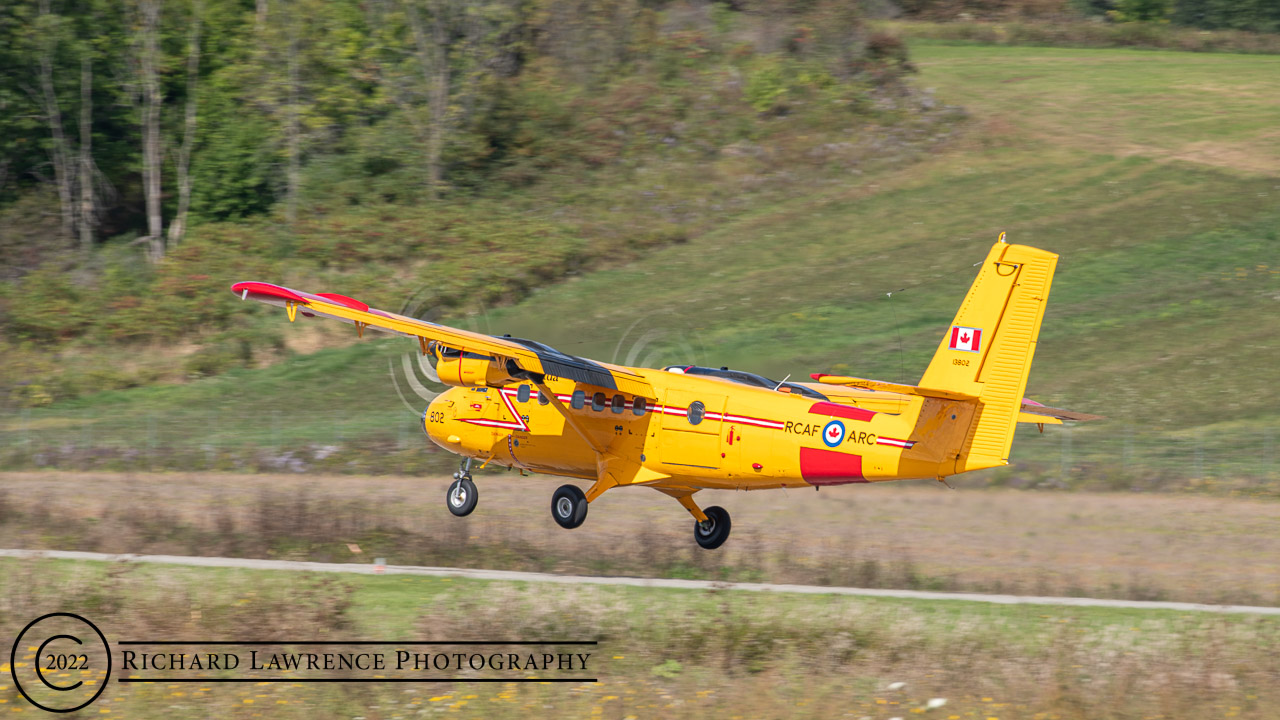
467 369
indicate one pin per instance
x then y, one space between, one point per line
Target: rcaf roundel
966 338
833 433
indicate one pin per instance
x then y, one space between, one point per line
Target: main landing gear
462 495
569 506
712 532
711 526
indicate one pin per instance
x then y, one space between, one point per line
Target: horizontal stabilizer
1030 407
882 386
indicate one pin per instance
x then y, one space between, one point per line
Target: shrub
47 305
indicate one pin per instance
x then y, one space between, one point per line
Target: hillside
1153 175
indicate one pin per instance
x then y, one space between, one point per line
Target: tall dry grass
917 537
679 654
1040 661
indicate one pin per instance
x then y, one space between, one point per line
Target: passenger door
690 434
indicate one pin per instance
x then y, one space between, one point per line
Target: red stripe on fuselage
842 411
829 467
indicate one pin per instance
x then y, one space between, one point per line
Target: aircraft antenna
784 382
902 368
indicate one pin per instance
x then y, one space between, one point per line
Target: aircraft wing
531 357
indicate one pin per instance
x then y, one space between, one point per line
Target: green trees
1141 10
146 117
49 62
436 59
1256 15
87 89
1252 15
379 147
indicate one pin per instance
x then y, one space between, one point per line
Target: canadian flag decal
966 338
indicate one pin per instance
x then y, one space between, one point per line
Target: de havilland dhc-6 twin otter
523 405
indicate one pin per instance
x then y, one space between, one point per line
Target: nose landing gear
462 495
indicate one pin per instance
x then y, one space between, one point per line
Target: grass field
1153 174
915 536
669 653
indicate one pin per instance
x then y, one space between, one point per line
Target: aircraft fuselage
702 431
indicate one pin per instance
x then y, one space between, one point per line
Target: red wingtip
344 300
261 288
817 376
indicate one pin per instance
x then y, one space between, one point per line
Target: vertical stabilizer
987 350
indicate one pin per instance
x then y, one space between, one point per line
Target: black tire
715 531
569 506
462 497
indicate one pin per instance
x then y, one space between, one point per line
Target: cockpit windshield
747 378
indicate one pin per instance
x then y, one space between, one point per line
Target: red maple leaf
964 338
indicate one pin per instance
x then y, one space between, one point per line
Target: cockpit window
747 378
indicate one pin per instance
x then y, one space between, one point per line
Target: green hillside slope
1154 175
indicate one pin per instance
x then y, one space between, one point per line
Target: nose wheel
569 506
462 495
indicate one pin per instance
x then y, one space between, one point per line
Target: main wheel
712 533
569 506
462 497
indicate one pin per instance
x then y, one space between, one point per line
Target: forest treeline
1248 15
144 116
147 115
153 151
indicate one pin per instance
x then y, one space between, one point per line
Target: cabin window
638 406
696 412
597 401
542 398
523 394
579 399
618 404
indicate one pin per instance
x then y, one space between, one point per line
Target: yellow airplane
523 405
